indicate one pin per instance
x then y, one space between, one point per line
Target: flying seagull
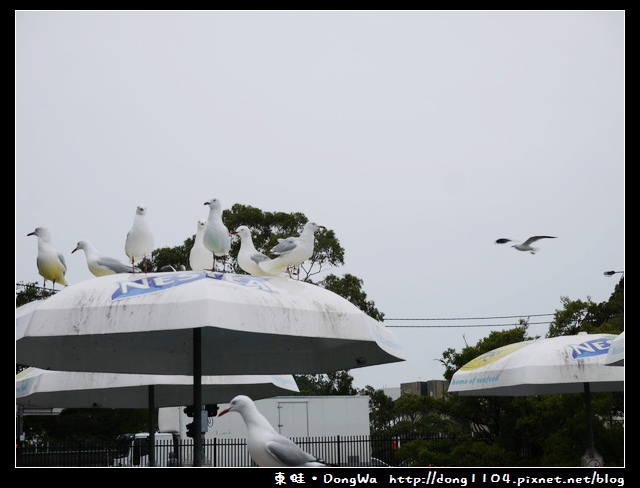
139 240
51 264
216 236
292 251
99 264
526 245
249 258
266 446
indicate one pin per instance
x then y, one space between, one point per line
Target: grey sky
419 137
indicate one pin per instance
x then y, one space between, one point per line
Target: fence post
339 454
215 452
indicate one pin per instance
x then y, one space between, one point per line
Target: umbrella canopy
144 323
615 356
71 389
541 367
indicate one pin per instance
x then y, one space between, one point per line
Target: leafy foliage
29 292
336 383
577 315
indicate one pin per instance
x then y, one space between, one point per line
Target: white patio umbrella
71 389
144 323
615 356
557 365
198 322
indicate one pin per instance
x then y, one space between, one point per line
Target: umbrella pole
197 396
587 402
152 426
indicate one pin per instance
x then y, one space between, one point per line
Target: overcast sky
419 137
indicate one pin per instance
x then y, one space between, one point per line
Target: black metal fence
217 452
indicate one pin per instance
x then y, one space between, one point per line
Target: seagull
249 258
98 263
266 446
199 256
139 241
526 245
216 236
292 251
51 264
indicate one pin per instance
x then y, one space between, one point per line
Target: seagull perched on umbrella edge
139 240
50 261
216 236
99 264
249 258
292 251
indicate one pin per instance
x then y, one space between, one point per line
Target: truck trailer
299 417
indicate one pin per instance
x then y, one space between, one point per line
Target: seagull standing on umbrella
526 245
199 256
99 264
139 240
266 446
216 237
51 264
249 258
292 251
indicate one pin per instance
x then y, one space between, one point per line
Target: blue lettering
591 348
162 281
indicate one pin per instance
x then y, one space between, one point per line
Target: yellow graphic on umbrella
494 355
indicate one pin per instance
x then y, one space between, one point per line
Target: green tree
29 292
335 383
382 412
586 316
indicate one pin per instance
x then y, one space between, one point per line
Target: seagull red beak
223 412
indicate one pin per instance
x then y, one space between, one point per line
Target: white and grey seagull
526 245
216 236
266 447
139 240
99 264
292 251
199 256
249 258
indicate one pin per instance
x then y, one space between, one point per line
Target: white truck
291 416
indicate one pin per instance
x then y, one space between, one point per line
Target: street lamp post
611 273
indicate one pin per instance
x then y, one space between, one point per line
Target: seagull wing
257 257
113 264
533 239
285 245
287 452
503 241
